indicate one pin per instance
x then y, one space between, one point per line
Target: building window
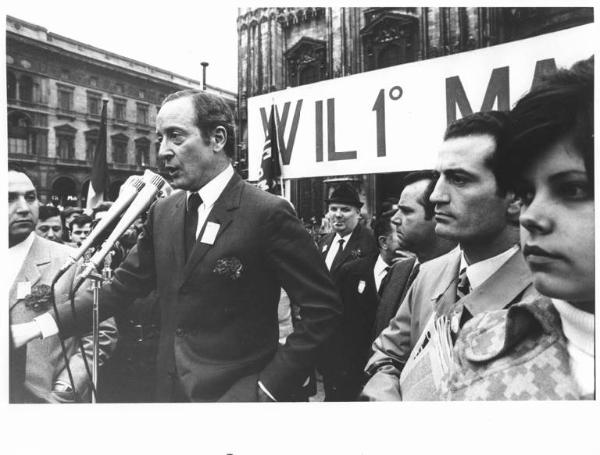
390 39
11 85
120 109
142 114
306 62
65 147
17 145
26 89
65 99
19 133
142 152
93 82
94 103
142 94
119 148
91 141
65 142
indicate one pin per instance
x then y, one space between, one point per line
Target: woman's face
557 225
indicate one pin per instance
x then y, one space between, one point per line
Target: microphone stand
97 281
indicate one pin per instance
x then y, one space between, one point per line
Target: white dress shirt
335 246
209 194
379 271
16 257
482 270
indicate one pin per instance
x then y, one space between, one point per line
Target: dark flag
270 169
99 177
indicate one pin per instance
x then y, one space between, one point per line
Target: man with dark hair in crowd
67 216
34 261
218 254
79 228
361 284
416 234
49 225
472 207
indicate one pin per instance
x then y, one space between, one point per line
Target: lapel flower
229 267
356 253
39 298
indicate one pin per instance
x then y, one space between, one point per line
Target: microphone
128 193
154 183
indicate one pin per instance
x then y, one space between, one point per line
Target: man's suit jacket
219 327
393 294
435 288
346 354
361 244
44 362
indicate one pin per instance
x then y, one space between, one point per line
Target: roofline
111 54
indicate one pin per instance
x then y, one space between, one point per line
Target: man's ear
220 137
382 242
513 210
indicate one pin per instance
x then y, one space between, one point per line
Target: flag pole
281 183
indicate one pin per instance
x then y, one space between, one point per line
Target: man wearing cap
349 240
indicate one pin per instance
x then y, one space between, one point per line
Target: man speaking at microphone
217 254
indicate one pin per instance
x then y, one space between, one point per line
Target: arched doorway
64 192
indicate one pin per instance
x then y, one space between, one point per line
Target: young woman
543 349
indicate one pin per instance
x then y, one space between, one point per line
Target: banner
393 119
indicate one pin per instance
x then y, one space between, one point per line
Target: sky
175 35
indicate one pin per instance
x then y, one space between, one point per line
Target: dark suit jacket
44 359
361 244
350 348
219 327
393 294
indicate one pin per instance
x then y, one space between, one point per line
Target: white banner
393 119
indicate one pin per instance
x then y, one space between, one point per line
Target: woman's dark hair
562 105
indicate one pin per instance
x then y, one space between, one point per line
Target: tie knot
194 201
463 286
341 242
387 269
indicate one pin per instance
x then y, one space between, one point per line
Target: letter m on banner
497 89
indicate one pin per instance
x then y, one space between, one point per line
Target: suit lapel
398 279
500 289
444 295
354 239
31 271
176 217
222 214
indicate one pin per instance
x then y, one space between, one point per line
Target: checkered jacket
518 353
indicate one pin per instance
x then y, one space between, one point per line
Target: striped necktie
463 287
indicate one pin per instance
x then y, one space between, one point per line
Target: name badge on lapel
361 286
210 233
23 289
324 249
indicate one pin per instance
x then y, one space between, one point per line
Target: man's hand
24 333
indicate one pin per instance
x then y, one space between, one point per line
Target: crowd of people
478 285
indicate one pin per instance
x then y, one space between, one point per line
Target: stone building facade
55 92
287 47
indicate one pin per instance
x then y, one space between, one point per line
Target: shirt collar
213 189
380 266
24 246
346 238
482 270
